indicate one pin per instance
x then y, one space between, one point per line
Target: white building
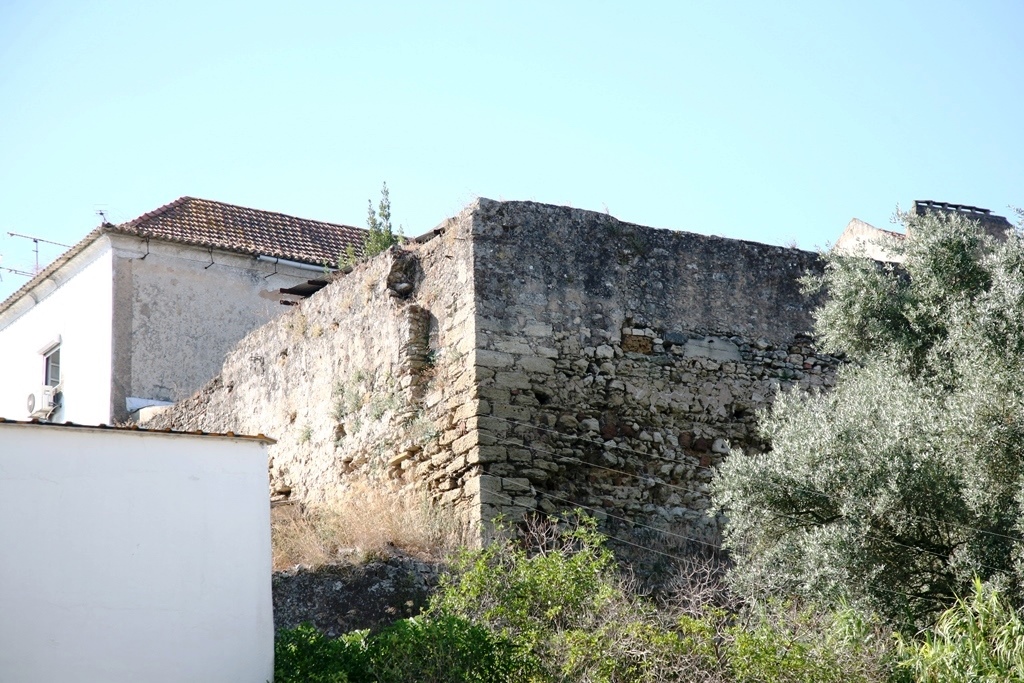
144 312
133 556
863 239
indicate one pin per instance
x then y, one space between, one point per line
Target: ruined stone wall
365 379
617 364
545 358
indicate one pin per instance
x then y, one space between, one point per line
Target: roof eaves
121 230
204 244
53 267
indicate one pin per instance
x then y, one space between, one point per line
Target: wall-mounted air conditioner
43 402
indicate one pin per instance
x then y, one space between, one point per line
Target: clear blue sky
767 121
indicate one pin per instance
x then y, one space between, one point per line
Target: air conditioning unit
42 403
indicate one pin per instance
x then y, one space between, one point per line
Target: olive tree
903 483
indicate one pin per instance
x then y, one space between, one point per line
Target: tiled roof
206 223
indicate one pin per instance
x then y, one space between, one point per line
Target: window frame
52 375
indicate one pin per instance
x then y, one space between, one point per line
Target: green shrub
980 638
416 650
780 641
555 593
535 591
304 655
439 650
526 589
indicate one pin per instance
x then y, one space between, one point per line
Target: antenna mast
36 241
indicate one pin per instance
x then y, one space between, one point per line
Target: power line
619 539
868 532
711 468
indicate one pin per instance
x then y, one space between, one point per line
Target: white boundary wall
133 556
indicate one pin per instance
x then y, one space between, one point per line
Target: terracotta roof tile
207 223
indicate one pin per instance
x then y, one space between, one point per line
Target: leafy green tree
907 481
380 235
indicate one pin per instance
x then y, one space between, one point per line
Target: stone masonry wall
368 378
617 364
530 358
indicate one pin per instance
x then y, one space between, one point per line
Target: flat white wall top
32 424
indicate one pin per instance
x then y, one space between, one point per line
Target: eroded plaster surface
179 310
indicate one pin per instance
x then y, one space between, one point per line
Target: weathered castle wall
367 378
616 364
545 358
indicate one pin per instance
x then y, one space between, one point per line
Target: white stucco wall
862 239
133 556
75 306
136 319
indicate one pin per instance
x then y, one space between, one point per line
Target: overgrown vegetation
380 235
370 520
880 540
549 606
899 487
980 638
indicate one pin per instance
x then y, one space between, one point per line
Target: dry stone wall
616 364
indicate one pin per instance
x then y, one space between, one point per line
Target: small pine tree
380 235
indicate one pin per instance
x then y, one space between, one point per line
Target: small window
51 372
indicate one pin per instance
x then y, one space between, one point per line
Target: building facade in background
863 239
143 313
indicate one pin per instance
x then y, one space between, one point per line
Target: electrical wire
711 469
679 558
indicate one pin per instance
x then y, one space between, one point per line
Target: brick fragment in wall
632 343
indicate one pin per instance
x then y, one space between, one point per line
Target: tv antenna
15 271
36 241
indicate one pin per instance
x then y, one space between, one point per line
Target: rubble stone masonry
530 357
616 364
